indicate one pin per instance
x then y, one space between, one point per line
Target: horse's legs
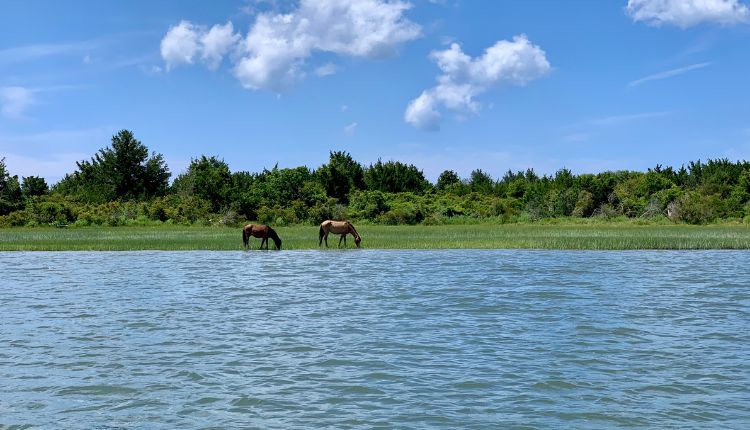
326 239
340 239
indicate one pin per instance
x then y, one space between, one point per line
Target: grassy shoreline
478 236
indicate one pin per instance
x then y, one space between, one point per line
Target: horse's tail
245 237
275 236
321 233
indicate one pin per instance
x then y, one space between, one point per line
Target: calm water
387 339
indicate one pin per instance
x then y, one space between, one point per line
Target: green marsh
506 236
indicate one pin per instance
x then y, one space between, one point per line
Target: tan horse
338 227
260 231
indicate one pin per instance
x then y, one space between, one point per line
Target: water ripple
384 339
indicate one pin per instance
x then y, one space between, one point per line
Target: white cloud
514 62
185 41
326 70
422 112
217 43
686 13
668 74
15 100
273 54
180 44
350 129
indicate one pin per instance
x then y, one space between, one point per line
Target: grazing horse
338 227
261 231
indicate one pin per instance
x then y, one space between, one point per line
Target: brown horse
338 227
261 231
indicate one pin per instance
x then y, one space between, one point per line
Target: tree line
124 184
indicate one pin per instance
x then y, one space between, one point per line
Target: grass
540 236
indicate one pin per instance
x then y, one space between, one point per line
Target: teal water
375 339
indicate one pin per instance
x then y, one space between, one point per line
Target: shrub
368 204
49 212
15 219
696 208
584 206
277 215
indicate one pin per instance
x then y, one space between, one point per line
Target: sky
442 84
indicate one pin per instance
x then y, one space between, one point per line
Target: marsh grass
541 236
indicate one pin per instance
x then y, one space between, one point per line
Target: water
375 339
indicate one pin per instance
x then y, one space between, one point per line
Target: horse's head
277 242
357 240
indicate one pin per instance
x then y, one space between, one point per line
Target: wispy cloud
326 69
51 153
668 74
22 54
14 101
57 137
577 137
623 119
350 129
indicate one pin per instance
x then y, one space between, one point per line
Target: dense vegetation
122 184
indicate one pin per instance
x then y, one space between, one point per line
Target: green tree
123 171
395 177
481 181
447 179
341 175
207 178
10 190
34 186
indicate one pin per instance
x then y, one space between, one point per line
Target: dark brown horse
338 227
261 231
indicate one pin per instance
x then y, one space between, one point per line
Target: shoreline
600 236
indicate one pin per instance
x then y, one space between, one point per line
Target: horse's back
258 230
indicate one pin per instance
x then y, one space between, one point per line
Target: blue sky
587 85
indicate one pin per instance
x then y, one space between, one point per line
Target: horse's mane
353 229
273 235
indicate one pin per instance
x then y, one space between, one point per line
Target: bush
584 206
403 213
368 204
49 212
277 216
695 208
15 219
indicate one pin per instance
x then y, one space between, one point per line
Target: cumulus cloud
180 44
686 13
515 62
272 56
15 100
185 41
216 44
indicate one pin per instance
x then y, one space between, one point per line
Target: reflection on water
396 339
